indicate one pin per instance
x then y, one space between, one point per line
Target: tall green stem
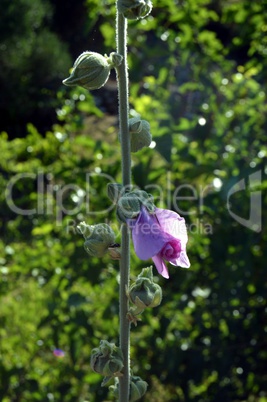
122 79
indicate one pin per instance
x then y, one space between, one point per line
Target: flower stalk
122 79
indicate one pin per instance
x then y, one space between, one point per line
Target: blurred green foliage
198 76
33 62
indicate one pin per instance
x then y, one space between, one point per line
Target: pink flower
160 236
58 353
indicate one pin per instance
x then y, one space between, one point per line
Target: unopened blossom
162 236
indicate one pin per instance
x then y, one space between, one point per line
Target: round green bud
140 134
144 292
98 238
107 359
138 388
91 71
134 9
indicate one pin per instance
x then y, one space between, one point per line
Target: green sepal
134 9
115 191
130 203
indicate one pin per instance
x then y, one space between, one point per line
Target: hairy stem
122 79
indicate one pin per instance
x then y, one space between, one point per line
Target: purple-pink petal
173 224
181 261
161 266
160 236
148 236
171 249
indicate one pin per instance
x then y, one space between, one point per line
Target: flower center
171 249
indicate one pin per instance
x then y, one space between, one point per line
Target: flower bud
146 199
115 59
115 191
138 388
98 238
134 9
91 70
128 207
135 125
129 204
140 134
107 359
84 229
144 292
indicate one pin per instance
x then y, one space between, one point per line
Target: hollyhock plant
157 233
161 235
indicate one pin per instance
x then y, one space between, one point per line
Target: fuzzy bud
146 199
138 388
144 292
91 70
107 359
98 238
129 206
115 59
140 134
115 191
135 125
134 9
